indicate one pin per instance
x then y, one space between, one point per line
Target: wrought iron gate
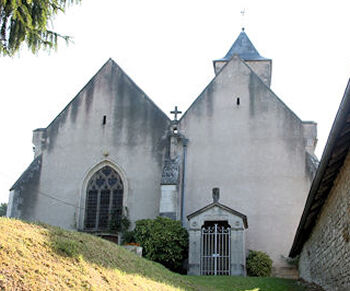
215 250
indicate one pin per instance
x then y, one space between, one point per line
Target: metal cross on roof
175 112
243 12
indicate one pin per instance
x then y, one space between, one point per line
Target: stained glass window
104 200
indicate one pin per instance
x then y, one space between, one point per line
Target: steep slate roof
333 157
224 207
244 48
29 173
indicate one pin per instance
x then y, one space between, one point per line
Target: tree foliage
3 209
163 240
28 21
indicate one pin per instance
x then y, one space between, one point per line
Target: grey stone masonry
219 213
325 257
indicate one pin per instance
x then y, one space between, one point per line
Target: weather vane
243 12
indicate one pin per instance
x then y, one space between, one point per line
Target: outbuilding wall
325 257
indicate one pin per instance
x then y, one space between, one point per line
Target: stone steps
290 272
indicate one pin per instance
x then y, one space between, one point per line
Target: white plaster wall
262 69
218 65
254 152
132 140
310 135
10 204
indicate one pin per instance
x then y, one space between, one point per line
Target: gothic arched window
104 201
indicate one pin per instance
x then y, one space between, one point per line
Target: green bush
163 240
259 264
128 237
3 209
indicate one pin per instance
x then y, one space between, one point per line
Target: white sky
167 48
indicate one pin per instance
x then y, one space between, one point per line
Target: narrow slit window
104 119
238 101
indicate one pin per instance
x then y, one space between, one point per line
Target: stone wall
237 241
325 258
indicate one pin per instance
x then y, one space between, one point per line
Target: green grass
42 257
245 283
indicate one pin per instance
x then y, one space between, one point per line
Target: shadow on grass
97 251
236 283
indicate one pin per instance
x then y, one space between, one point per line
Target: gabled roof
29 173
222 71
224 207
334 154
110 66
244 48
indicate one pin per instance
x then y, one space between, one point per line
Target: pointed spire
244 48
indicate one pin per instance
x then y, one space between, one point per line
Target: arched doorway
104 201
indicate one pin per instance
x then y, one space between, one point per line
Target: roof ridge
137 87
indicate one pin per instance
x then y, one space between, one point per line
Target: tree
3 209
28 21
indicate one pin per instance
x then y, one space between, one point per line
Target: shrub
292 261
129 237
3 209
163 240
259 264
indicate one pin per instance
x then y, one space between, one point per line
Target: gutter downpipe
184 142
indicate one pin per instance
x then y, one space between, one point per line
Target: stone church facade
113 152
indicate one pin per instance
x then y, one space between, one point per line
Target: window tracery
104 200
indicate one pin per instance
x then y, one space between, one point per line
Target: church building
235 168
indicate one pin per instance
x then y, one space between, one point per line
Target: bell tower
245 49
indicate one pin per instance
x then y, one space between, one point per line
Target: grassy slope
41 257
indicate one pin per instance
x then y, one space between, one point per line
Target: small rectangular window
104 119
238 101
